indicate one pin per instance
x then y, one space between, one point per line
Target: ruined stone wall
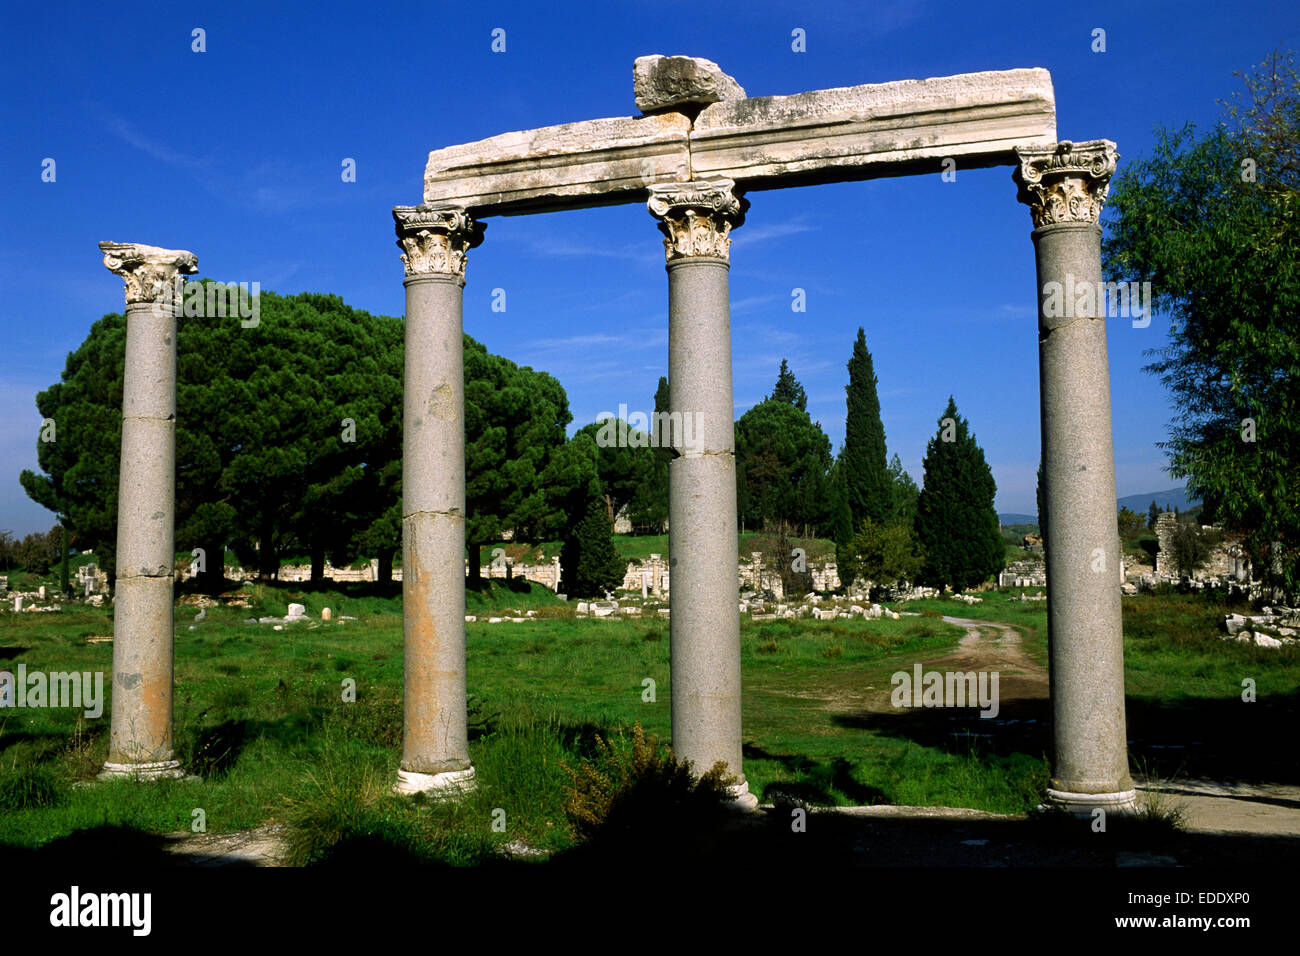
1227 562
1031 573
1165 527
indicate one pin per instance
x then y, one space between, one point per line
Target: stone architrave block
836 135
878 129
591 163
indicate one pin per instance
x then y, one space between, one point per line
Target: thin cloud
129 134
749 235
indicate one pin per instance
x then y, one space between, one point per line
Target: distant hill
1165 500
1012 518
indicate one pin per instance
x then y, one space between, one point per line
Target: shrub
1190 547
626 791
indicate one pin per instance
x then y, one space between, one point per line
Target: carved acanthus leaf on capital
435 239
148 270
1067 182
696 218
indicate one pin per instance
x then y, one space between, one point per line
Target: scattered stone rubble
1273 627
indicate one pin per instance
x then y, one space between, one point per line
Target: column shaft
705 621
1085 626
433 528
696 219
435 746
140 738
142 616
1065 187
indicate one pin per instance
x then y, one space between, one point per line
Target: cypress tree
867 483
788 389
63 559
956 522
1042 506
842 531
590 564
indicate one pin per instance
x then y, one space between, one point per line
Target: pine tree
956 522
782 458
1153 513
788 389
866 478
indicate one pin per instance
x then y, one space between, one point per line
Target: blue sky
235 154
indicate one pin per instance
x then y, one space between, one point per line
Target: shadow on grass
1021 726
216 748
1216 738
813 781
769 843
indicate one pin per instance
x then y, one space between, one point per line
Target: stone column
435 748
696 219
140 738
1065 186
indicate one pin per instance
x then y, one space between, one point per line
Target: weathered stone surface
659 82
592 163
877 129
856 132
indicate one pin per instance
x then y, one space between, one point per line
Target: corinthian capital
696 218
149 271
435 239
1067 182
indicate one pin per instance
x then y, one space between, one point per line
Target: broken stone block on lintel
682 82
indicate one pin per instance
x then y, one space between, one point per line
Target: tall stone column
696 218
435 748
140 738
1065 187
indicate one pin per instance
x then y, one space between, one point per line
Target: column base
158 770
451 783
1082 804
741 798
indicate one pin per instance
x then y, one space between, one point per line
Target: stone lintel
836 135
575 165
875 130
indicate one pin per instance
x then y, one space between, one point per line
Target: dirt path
1207 806
995 646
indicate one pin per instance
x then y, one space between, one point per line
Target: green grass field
260 717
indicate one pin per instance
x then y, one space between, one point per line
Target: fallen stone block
659 82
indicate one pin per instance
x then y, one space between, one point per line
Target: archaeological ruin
697 152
